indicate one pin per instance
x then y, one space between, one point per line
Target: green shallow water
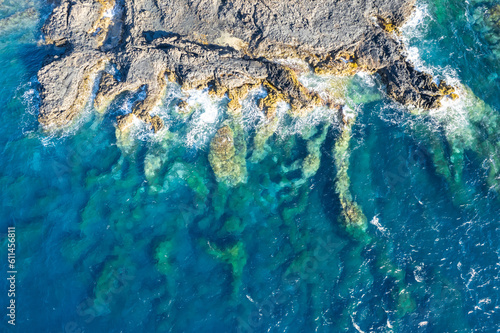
388 224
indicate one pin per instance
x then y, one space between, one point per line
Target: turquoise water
137 235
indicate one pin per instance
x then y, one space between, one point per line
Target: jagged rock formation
228 46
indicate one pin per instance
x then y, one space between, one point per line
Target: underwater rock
191 175
124 122
235 256
469 126
228 45
352 216
311 163
263 133
114 278
165 256
124 125
232 226
152 164
487 21
222 145
20 19
227 156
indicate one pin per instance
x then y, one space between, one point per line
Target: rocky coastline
110 47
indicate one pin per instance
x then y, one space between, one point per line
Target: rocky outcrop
228 46
66 86
408 86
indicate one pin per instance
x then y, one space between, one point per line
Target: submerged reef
352 216
227 155
470 128
486 15
109 47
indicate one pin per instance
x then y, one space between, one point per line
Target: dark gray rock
408 86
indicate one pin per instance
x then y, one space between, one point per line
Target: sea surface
392 225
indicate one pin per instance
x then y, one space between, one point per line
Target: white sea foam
328 87
417 23
110 12
412 33
454 115
204 120
289 125
368 79
356 326
418 273
142 131
375 221
252 115
414 30
30 98
173 91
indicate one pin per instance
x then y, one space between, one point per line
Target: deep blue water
137 235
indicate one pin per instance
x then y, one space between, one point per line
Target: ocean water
388 224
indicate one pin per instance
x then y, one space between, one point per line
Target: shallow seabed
387 224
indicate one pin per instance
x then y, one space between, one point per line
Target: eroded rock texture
225 45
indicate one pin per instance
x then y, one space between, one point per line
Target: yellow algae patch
343 64
269 104
236 96
386 24
447 90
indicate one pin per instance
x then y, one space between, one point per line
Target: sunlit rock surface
226 46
